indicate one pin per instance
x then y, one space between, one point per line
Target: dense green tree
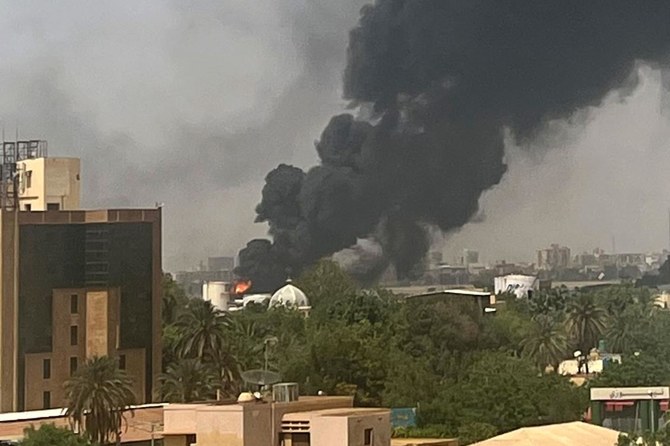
469 374
547 342
201 331
658 438
586 322
508 392
50 435
642 369
509 327
188 380
550 302
97 398
475 432
174 300
325 282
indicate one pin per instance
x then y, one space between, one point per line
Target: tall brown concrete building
76 284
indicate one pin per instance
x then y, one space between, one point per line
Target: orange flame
242 287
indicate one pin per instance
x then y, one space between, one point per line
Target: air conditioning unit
285 392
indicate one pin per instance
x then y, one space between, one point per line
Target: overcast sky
192 103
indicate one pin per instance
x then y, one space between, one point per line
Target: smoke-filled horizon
191 105
441 83
184 103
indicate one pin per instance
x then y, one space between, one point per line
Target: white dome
289 296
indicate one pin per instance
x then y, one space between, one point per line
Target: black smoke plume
442 81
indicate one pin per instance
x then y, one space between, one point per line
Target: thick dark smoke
444 80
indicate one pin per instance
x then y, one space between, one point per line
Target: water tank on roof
285 392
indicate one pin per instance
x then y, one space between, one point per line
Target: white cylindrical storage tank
217 293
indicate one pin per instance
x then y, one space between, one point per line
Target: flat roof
338 412
9 417
308 399
571 285
89 216
456 292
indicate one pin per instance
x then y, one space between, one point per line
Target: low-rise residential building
305 421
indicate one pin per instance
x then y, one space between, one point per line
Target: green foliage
642 370
201 329
508 392
474 432
325 282
174 300
550 302
50 435
660 438
586 321
420 432
546 343
97 397
188 380
469 375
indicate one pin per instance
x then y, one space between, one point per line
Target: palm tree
187 380
586 322
245 342
201 331
97 396
546 343
620 333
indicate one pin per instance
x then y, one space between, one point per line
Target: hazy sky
602 174
192 103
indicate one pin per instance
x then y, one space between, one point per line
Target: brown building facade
77 284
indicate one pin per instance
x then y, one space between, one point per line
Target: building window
74 335
29 179
73 365
122 362
46 400
53 206
74 304
29 207
46 368
367 438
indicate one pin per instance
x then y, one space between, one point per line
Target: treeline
469 374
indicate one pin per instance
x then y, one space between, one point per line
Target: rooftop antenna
263 377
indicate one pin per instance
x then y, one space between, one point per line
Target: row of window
50 207
74 363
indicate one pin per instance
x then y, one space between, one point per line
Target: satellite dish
260 377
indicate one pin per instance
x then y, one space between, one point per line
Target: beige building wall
330 421
35 384
96 318
49 181
340 427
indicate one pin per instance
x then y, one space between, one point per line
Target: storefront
629 409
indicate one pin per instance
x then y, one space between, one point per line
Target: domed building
290 296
